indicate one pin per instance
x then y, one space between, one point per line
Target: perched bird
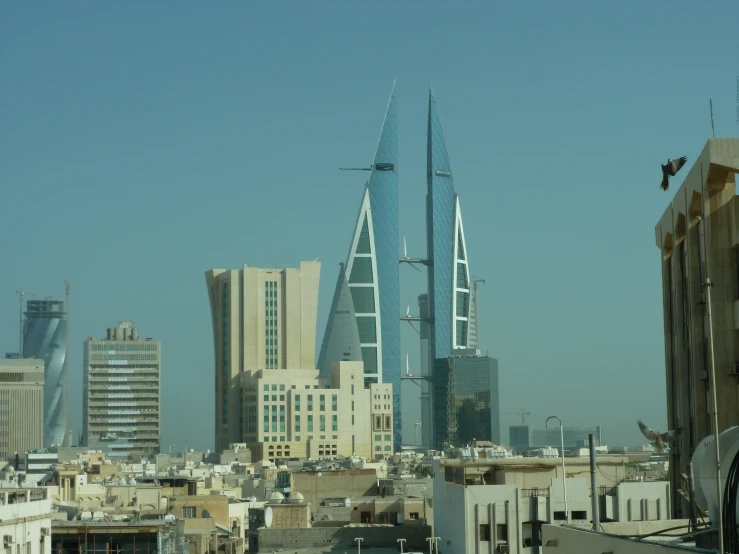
659 439
669 170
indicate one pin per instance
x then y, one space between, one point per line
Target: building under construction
45 336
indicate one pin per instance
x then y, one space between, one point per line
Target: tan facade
201 507
121 406
293 413
21 405
704 211
262 319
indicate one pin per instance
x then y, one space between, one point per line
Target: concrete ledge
343 537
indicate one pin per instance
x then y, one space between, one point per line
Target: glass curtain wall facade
466 400
372 278
45 337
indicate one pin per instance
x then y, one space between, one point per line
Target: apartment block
21 405
122 394
698 238
293 413
263 319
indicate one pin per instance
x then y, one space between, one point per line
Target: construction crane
21 293
522 413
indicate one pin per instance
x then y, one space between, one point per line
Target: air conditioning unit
8 540
504 548
45 532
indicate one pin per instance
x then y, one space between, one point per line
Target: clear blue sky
142 143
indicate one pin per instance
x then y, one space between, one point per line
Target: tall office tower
21 406
466 399
122 393
45 337
371 278
262 319
449 275
450 312
698 238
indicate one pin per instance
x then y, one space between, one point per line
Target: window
579 514
334 402
387 422
502 532
387 448
188 512
352 424
297 438
378 438
560 516
322 402
297 402
266 419
485 532
352 393
282 387
310 423
352 405
282 439
388 437
266 387
266 397
274 398
274 387
334 422
307 387
323 423
310 402
297 424
378 422
282 419
274 419
414 515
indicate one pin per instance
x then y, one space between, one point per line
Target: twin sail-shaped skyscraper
364 320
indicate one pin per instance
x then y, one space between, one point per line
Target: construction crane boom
522 413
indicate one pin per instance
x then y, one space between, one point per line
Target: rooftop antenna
710 104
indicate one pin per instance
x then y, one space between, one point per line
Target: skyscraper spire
371 274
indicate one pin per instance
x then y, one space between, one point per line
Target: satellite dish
268 517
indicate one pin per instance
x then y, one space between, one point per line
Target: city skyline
163 157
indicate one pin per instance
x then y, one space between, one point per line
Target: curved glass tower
45 337
448 275
370 277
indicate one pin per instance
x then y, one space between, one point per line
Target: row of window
125 347
281 438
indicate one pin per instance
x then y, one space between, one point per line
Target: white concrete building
25 521
294 413
483 506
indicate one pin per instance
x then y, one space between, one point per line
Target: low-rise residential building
481 505
25 520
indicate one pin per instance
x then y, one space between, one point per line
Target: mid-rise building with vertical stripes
263 319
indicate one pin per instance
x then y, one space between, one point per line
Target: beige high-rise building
122 394
698 237
263 319
294 413
21 405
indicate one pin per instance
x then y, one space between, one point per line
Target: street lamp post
564 474
401 541
359 540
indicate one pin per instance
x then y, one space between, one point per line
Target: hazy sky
142 143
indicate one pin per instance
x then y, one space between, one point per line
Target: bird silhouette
659 439
669 170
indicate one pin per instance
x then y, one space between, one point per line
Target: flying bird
669 170
659 439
